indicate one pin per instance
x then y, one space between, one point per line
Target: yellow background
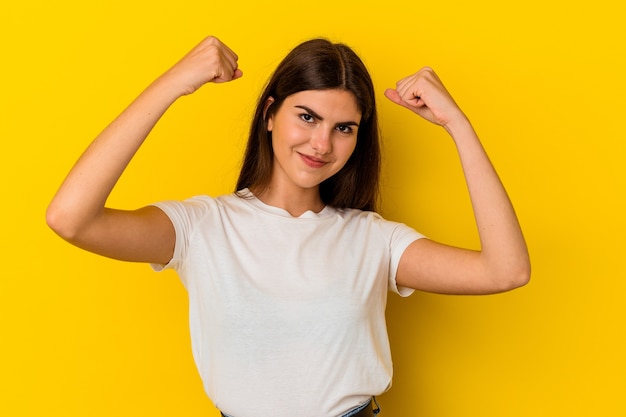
543 83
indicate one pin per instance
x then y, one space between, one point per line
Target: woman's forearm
503 248
503 261
86 188
80 199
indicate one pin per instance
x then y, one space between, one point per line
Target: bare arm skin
78 213
503 261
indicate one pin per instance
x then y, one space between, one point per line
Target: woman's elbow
521 278
60 221
514 276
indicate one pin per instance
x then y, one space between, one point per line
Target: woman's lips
312 161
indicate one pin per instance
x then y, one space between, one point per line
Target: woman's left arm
502 263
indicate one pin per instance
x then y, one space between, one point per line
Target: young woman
288 276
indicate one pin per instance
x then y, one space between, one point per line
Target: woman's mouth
312 161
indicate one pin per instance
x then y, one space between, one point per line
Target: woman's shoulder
206 200
198 205
359 215
384 225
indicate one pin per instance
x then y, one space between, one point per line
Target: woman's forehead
335 103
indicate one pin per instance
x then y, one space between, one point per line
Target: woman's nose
321 141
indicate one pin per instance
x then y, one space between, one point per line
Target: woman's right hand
209 61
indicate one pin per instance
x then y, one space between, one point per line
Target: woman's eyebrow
318 117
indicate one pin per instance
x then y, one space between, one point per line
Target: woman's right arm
77 212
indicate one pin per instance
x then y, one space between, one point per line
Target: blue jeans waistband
363 410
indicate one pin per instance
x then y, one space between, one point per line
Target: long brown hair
319 64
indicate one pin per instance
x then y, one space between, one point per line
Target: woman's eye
306 117
344 129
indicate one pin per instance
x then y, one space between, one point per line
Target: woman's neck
294 201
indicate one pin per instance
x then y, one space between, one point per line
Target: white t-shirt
287 314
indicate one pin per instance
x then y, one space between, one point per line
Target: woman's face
313 135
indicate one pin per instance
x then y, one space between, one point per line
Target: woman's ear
270 100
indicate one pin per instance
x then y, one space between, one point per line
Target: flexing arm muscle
503 262
77 212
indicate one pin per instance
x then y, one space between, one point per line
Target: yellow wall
544 85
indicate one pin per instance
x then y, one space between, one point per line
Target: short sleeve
185 216
399 236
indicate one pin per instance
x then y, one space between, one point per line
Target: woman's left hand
424 93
